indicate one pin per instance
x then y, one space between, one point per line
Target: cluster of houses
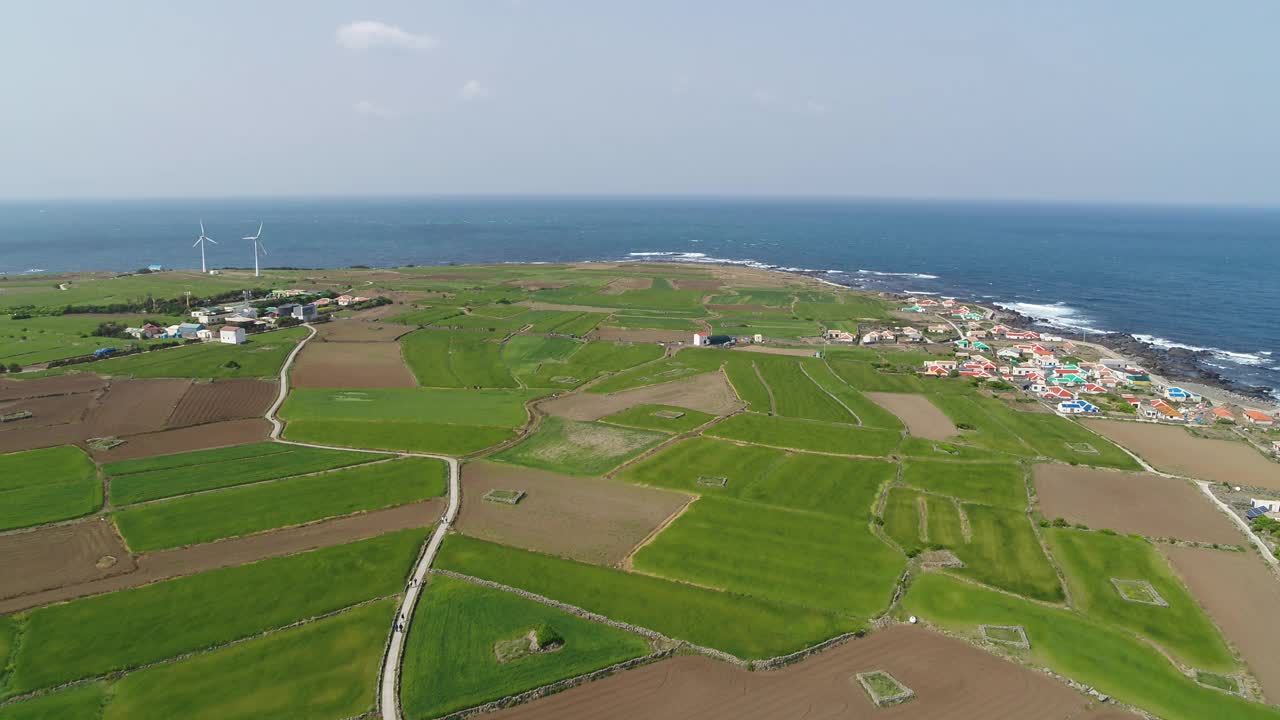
230 323
946 307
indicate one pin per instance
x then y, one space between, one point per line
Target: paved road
389 692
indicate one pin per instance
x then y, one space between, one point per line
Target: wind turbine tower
258 248
201 241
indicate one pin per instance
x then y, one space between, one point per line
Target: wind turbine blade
263 248
249 237
259 231
197 242
215 242
202 226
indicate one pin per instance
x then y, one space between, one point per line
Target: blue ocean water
1199 277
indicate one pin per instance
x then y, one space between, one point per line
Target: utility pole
187 293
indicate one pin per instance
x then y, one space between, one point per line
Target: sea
1197 277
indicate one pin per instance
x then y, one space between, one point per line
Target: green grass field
44 338
125 629
978 426
868 413
1090 559
399 436
821 562
457 359
684 364
462 622
795 395
1065 440
833 485
294 501
589 362
84 702
524 353
642 322
40 486
680 466
806 435
902 519
327 668
645 417
1111 660
261 356
224 467
863 376
747 627
578 448
1004 552
747 384
998 484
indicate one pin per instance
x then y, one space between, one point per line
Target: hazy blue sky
1161 100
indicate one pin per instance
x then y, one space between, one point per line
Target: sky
1161 101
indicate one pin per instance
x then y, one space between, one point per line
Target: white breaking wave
1058 315
1239 358
918 276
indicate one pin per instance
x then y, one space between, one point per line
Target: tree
15 368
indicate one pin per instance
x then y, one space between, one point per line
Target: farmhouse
1076 407
700 339
1259 418
1223 415
1275 447
839 336
1057 393
1177 394
231 335
305 313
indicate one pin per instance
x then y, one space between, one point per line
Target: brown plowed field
952 680
30 437
923 418
198 437
1174 450
75 383
239 551
642 336
60 555
1132 502
708 392
134 406
48 410
705 285
596 521
623 284
1242 596
221 400
361 330
351 365
793 352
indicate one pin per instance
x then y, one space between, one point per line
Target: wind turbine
257 248
201 241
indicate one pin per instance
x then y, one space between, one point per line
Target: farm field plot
573 324
327 668
748 627
699 465
998 484
139 480
863 376
806 435
469 624
665 418
1111 660
868 413
1236 590
684 364
1066 440
122 630
643 335
242 511
40 486
590 520
709 393
51 410
951 679
788 556
426 419
795 395
221 400
1003 552
60 555
935 450
456 359
523 353
589 362
43 387
261 357
360 330
749 385
51 337
579 448
978 426
79 703
350 365
923 418
1174 450
188 439
646 322
1129 502
917 521
1091 561
135 406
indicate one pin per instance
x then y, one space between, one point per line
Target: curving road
389 692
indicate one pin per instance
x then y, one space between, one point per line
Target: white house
231 335
205 334
1270 505
701 339
757 338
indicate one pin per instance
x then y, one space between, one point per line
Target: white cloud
473 90
813 107
367 34
371 109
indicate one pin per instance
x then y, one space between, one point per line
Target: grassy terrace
40 486
579 448
806 435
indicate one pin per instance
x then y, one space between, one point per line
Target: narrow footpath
389 689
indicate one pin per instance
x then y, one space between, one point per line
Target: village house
231 335
1275 448
207 334
187 331
1164 411
305 313
700 339
943 328
1259 418
208 315
1057 393
1177 394
1131 399
840 336
1076 407
1223 415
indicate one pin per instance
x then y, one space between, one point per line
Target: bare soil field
708 392
1174 450
592 520
198 437
1131 502
923 418
152 567
135 406
48 410
221 400
358 329
706 285
623 284
641 336
351 365
951 680
1241 595
30 437
793 352
62 385
61 555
